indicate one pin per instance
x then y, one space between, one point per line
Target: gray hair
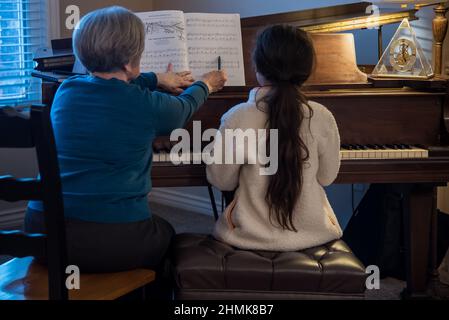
105 40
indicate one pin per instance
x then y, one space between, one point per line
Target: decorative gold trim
362 23
439 27
403 77
419 6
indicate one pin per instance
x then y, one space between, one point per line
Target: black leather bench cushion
201 262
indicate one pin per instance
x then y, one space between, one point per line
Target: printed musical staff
214 51
161 66
158 60
216 36
210 23
165 54
210 65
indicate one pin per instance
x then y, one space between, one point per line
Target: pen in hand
215 80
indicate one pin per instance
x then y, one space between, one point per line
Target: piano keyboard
347 152
396 151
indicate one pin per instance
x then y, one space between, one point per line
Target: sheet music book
193 41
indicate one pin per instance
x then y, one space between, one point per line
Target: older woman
104 125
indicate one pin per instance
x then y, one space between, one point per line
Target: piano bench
205 268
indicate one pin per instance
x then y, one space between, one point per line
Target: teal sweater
104 131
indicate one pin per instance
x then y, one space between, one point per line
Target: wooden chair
22 277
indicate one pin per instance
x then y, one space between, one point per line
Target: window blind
23 29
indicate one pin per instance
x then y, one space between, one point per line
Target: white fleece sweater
245 223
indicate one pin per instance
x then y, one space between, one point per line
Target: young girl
104 126
289 209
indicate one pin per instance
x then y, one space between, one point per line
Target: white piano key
384 154
185 158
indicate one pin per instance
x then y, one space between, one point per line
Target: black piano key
373 146
362 147
345 147
391 146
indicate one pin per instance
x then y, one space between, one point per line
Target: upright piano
392 131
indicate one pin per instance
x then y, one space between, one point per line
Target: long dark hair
284 55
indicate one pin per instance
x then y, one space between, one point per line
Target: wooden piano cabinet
385 116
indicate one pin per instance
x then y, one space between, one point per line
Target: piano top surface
330 13
338 18
377 86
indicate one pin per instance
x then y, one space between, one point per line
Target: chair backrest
33 129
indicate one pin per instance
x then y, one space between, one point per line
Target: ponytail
284 56
286 114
